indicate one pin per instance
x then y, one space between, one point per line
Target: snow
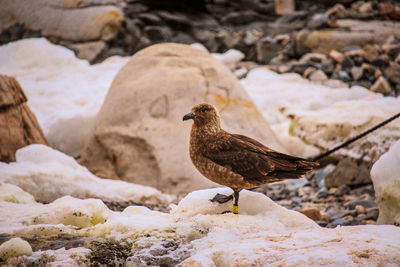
385 175
301 112
65 93
48 174
264 233
14 194
14 247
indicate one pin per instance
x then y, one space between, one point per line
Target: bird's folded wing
252 160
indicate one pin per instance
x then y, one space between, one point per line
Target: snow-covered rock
195 231
64 92
48 174
14 247
385 175
301 112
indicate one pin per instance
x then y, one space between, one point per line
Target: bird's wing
251 159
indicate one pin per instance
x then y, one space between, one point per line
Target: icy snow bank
64 92
322 116
264 233
385 174
48 174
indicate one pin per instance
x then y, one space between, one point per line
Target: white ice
64 92
48 174
385 175
264 233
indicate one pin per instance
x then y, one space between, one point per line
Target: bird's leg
235 208
220 198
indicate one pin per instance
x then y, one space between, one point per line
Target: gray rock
318 76
347 172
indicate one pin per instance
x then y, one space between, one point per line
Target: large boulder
139 135
385 175
76 21
18 125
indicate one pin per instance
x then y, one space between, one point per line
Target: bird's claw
220 198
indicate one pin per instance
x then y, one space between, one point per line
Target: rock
267 48
283 7
356 73
318 20
313 58
337 56
312 213
364 203
144 140
89 50
347 63
393 73
360 33
14 247
385 175
63 20
18 125
360 209
158 33
380 62
349 173
318 76
381 86
341 75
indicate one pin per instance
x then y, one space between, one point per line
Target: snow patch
264 233
301 113
49 174
65 93
385 175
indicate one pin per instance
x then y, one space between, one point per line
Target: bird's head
203 114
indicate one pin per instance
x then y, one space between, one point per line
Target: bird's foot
220 198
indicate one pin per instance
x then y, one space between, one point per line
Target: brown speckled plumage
234 160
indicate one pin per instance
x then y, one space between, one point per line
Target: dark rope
357 137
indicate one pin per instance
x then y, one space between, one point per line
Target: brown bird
235 160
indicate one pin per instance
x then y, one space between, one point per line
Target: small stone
393 73
284 7
356 73
318 20
318 76
283 68
381 86
312 213
333 83
325 216
380 62
347 63
308 71
341 75
337 56
360 209
312 58
334 191
365 203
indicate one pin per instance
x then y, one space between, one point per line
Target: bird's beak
188 116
